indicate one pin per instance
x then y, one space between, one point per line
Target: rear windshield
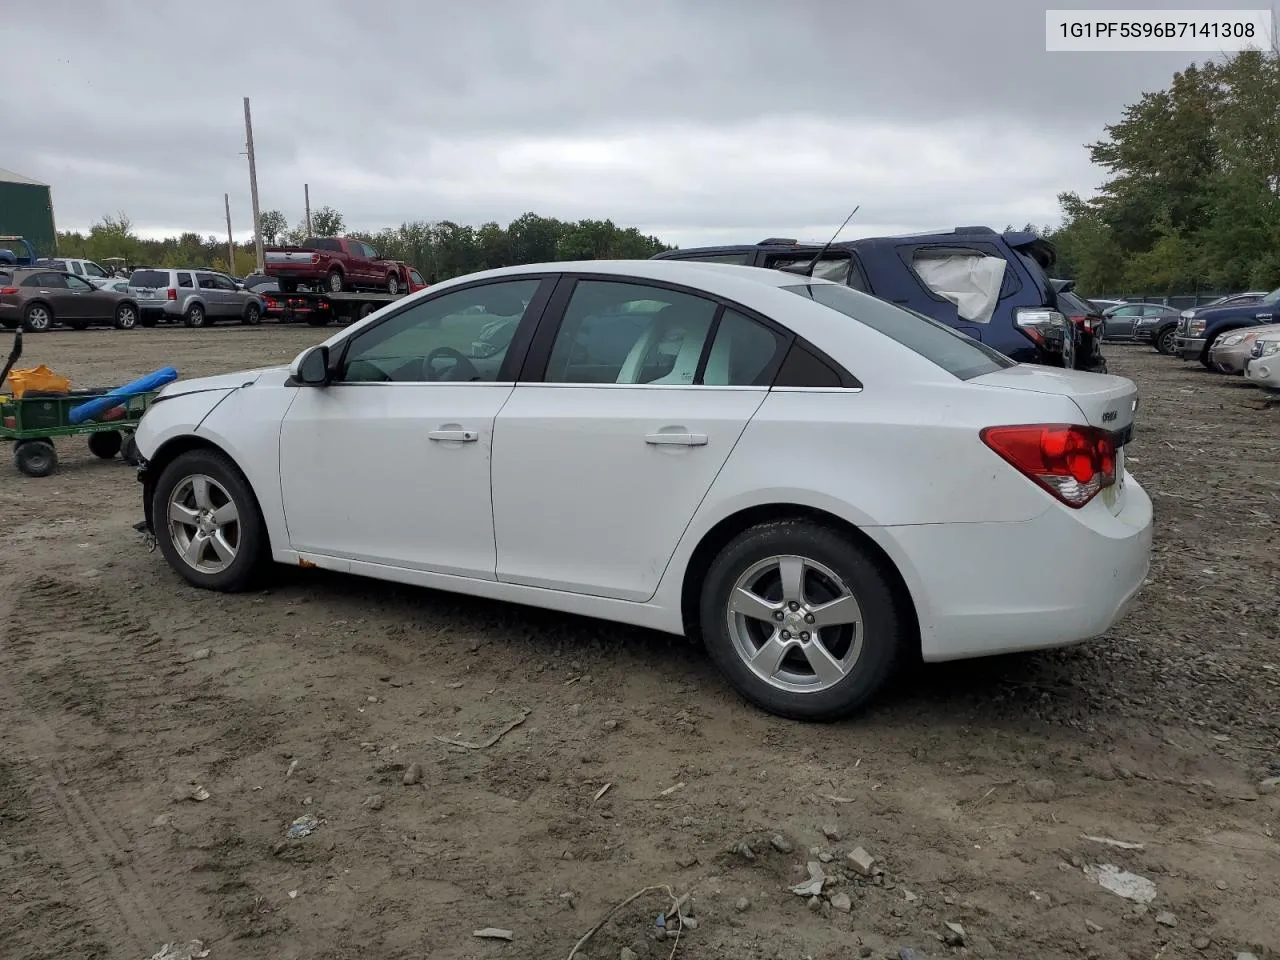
1071 303
961 356
149 278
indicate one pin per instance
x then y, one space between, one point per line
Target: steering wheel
463 368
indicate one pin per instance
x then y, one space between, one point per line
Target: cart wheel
129 453
35 458
105 444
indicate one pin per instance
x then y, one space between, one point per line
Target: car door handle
678 439
458 436
1262 316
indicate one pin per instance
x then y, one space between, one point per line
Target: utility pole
253 185
231 244
306 196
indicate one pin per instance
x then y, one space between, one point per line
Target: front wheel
252 315
1165 341
801 620
207 521
126 316
393 284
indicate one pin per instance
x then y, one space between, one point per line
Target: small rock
832 833
690 923
865 952
162 820
742 905
1042 791
910 953
628 954
374 802
371 699
862 862
955 935
686 860
744 850
1221 884
1201 943
204 653
781 843
909 896
1269 786
413 774
842 902
610 725
1245 956
1166 919
815 904
825 857
575 709
1093 927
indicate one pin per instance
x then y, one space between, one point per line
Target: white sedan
811 480
1263 366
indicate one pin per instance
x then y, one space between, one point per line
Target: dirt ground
124 694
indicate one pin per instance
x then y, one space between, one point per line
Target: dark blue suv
1199 328
991 286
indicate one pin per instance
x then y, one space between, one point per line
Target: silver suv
197 297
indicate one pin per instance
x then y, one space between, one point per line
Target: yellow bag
38 378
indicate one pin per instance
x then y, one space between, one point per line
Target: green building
26 210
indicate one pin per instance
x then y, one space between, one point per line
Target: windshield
961 356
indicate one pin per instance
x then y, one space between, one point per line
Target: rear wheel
105 444
207 521
195 316
333 282
1165 340
37 318
126 316
35 458
801 620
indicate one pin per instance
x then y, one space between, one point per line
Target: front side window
961 356
457 337
630 333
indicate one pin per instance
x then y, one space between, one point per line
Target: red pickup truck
335 264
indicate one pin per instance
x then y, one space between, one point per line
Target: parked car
1263 366
797 472
334 264
1088 321
1230 353
1200 328
990 286
1143 322
85 269
195 297
36 298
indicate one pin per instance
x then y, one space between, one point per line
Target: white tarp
971 282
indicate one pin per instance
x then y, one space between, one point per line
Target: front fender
175 416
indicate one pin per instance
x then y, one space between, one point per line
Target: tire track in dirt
74 656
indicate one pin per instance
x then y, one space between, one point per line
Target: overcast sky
701 121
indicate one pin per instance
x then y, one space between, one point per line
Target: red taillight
1084 323
1069 461
271 302
171 294
8 291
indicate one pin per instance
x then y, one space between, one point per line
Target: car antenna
807 270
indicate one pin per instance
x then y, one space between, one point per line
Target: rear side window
149 278
970 280
961 356
184 280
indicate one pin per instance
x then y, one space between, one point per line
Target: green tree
327 222
273 225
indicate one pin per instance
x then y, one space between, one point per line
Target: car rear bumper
1189 348
992 588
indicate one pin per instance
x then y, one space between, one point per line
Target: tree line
1191 200
440 250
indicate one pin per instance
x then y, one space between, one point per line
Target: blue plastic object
100 405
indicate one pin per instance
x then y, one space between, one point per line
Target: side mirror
311 368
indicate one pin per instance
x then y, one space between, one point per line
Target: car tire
1165 340
35 458
195 316
333 282
252 315
37 318
854 658
1208 348
393 284
126 316
203 483
105 444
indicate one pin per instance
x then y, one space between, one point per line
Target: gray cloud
701 120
